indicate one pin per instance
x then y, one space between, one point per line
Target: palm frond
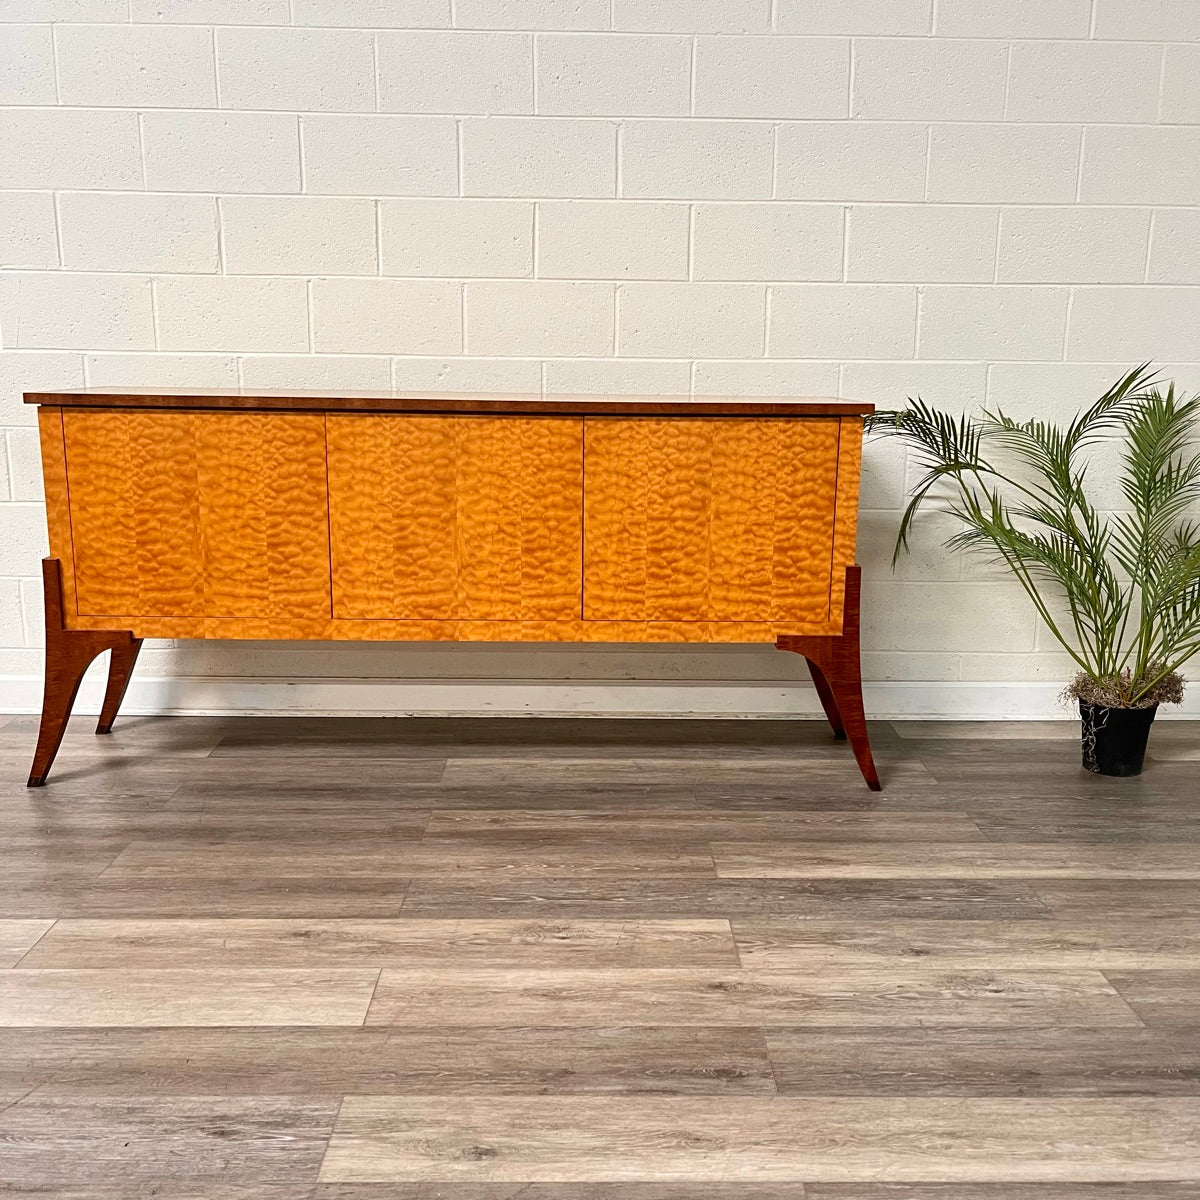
1106 413
1127 635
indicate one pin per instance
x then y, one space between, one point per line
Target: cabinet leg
828 703
120 671
837 674
850 705
69 653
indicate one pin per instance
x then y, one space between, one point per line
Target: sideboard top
526 404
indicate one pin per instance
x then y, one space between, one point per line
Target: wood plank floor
308 959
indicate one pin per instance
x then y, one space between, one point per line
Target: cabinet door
708 519
455 518
205 514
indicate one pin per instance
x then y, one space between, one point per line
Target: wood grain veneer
845 509
703 520
470 630
447 403
198 514
455 520
58 503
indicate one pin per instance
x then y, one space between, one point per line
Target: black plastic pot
1114 739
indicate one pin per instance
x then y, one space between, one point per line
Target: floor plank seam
371 998
24 1096
737 945
104 870
764 1042
53 922
1124 1000
316 1182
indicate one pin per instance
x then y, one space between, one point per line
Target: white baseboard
197 694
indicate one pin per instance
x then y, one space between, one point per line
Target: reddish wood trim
837 674
69 652
451 403
120 671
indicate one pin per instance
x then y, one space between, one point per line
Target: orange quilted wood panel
58 509
455 518
709 520
199 514
845 520
555 630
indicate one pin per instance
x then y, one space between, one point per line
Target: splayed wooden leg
837 674
828 703
120 671
69 653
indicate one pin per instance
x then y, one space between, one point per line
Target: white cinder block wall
976 200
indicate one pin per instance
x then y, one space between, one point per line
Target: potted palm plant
1120 591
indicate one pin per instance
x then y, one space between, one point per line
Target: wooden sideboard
506 518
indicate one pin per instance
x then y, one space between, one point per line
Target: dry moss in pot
1114 732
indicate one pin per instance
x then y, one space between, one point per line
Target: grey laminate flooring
308 959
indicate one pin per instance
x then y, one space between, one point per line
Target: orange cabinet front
198 514
455 518
709 520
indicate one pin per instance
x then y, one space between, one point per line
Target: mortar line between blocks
850 78
54 64
692 77
535 38
216 63
1079 164
375 69
671 118
1162 82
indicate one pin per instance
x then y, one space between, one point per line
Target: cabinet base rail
833 662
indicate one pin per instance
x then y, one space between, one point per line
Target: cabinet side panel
200 514
845 525
58 507
456 518
709 520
